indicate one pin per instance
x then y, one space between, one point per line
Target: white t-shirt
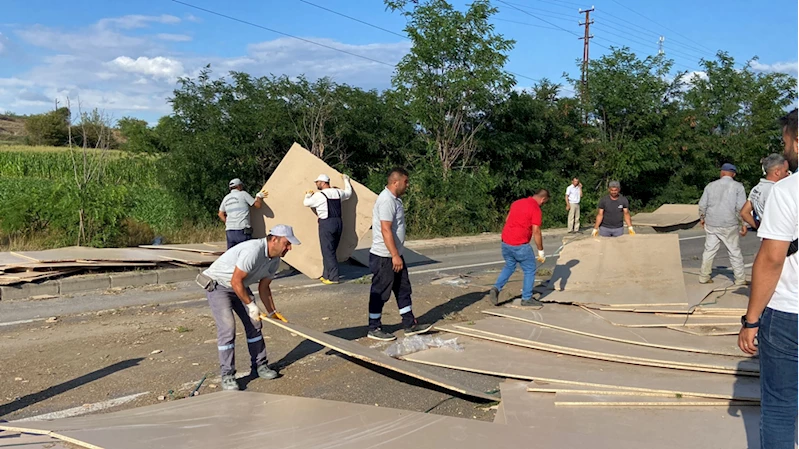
781 222
573 193
759 195
236 205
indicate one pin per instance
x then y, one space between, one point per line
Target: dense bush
48 129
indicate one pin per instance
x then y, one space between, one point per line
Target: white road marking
84 409
692 238
11 323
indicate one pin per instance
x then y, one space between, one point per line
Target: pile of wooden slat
31 266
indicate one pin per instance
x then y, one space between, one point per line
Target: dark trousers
384 281
225 304
329 238
777 346
235 236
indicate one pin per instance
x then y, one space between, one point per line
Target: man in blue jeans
774 304
522 225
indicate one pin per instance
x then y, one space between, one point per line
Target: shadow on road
55 390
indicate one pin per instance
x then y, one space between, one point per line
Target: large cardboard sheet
361 253
287 186
640 269
245 420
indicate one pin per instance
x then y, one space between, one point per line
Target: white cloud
173 37
158 67
136 21
790 68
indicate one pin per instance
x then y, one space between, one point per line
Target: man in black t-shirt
614 211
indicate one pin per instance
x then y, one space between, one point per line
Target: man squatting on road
327 203
235 212
227 283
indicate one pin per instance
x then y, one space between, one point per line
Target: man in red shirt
522 225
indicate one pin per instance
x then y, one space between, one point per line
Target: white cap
323 177
286 231
234 182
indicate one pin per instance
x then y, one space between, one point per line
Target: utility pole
660 45
586 39
56 104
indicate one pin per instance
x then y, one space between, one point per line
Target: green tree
48 129
139 136
453 76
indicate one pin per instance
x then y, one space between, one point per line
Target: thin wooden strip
638 320
708 331
587 400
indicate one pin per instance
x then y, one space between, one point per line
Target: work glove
595 232
277 316
541 257
631 230
345 177
262 194
309 193
252 310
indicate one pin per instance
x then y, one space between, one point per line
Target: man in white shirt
327 203
776 168
774 304
573 194
235 212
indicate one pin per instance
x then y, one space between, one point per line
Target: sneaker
229 383
378 334
417 329
264 372
531 303
706 281
493 296
328 281
741 282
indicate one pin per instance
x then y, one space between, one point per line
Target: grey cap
234 182
286 231
614 184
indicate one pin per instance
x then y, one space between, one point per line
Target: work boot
417 329
229 382
531 303
378 334
706 281
264 372
493 296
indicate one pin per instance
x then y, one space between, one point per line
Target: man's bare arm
599 216
627 218
265 291
539 239
237 283
222 216
746 215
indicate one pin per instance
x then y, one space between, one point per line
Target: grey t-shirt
251 257
613 217
236 205
758 196
388 208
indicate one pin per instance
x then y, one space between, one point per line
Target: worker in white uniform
327 203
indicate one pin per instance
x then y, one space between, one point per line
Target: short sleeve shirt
613 216
518 230
573 193
759 194
781 222
251 256
388 208
236 205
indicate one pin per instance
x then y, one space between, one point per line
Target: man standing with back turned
235 212
389 272
327 202
573 194
522 225
613 211
720 215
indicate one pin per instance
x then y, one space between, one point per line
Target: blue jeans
777 346
236 236
524 256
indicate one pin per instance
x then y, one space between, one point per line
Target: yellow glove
541 258
309 192
277 316
595 232
631 230
262 194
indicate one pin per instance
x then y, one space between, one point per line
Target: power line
570 16
641 30
353 18
562 4
684 55
283 34
535 16
524 23
697 54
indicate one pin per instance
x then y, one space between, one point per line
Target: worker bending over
327 203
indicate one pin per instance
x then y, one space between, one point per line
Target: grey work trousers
224 303
574 217
714 237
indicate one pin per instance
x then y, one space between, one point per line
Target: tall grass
46 163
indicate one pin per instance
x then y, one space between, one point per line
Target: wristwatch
749 325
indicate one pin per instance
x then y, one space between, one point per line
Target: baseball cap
323 177
234 182
286 231
614 184
729 167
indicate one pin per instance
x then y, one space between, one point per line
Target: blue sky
124 56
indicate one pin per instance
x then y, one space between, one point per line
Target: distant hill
12 128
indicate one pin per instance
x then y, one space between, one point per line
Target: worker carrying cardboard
227 282
235 212
327 203
613 211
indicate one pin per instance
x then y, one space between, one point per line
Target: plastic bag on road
416 343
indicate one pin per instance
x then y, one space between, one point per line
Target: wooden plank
537 337
377 358
578 321
485 357
709 331
555 387
588 400
630 319
617 427
661 220
203 248
499 416
287 186
641 269
74 253
11 259
688 209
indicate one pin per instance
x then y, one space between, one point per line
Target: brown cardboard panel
661 220
287 186
481 356
688 209
597 400
631 319
74 253
361 253
363 353
204 248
